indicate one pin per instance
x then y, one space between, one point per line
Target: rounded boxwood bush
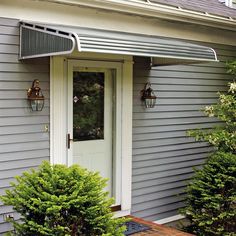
211 197
60 200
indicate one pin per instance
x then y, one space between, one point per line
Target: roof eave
155 11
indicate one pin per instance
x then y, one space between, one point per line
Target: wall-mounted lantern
35 96
148 96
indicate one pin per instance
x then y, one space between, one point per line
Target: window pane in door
88 105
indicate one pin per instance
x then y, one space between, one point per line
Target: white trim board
169 219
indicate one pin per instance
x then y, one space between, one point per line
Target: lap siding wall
163 156
23 140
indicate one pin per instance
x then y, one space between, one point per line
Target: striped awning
38 40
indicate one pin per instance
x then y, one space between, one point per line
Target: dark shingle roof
213 7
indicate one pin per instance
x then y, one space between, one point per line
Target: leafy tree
211 196
60 200
221 137
232 67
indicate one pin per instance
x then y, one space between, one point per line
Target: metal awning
38 40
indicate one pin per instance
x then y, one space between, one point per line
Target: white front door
90 103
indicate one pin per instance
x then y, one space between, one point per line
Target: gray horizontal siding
23 142
163 156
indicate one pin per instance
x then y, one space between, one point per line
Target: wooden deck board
157 229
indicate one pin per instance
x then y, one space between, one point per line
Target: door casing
123 136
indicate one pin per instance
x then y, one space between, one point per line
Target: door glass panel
88 105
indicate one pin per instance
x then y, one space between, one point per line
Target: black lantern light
35 96
148 96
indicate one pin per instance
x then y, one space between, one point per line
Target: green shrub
211 197
60 200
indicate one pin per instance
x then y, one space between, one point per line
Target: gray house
92 60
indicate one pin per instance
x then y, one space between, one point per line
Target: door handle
68 141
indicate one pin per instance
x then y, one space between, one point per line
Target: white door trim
59 120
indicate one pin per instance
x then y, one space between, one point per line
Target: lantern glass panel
37 104
40 104
150 102
33 105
